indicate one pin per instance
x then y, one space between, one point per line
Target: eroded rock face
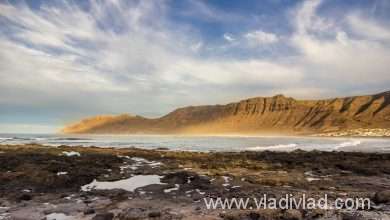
256 115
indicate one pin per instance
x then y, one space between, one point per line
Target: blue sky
64 60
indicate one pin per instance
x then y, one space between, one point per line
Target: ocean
206 143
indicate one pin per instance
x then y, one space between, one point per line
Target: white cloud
202 11
228 37
306 19
348 61
196 47
140 62
64 51
260 37
233 72
368 28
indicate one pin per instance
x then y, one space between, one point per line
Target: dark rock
240 216
89 211
292 214
177 178
155 214
104 216
254 216
351 216
200 182
197 197
87 201
314 214
382 197
230 216
25 197
132 214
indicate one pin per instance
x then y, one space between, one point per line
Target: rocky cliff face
277 114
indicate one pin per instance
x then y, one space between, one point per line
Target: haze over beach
189 109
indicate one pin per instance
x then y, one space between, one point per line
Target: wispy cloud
202 11
228 37
260 37
329 53
368 28
116 56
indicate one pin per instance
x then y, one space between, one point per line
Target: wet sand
39 182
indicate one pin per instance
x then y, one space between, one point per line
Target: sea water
205 143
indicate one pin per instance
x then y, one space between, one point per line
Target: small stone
25 197
351 216
154 214
254 216
292 214
382 197
89 211
315 214
104 216
87 201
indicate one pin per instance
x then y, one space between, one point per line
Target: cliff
261 115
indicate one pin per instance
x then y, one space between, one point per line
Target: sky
61 61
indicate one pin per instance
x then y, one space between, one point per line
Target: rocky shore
41 182
361 132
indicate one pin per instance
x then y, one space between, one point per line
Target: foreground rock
39 182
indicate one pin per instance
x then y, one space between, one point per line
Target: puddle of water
61 173
129 184
226 179
58 216
71 153
200 192
177 186
311 179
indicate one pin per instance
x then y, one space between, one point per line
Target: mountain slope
277 114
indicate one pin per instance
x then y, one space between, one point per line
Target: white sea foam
353 143
226 179
200 192
177 186
293 146
205 143
273 147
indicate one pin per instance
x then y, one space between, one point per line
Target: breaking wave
294 146
347 144
272 147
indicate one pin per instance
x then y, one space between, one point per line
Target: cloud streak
114 56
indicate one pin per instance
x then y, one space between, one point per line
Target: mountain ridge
257 115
